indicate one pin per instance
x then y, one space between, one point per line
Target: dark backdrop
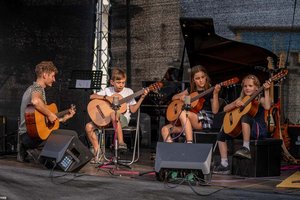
32 31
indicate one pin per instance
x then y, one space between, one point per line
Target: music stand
86 79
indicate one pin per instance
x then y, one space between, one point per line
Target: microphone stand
114 160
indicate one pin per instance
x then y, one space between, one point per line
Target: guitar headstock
156 86
73 107
229 82
279 76
270 63
281 62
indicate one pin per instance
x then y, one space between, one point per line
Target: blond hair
118 74
249 77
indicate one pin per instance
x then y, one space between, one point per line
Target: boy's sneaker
123 147
220 169
243 152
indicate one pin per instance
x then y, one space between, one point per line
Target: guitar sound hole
49 124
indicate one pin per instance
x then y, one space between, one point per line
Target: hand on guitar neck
40 126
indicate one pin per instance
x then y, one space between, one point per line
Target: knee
89 128
221 137
164 130
183 118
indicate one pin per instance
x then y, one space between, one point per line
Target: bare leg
185 122
119 127
167 130
93 138
223 149
246 129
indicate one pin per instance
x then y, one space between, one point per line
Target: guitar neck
62 113
128 98
202 94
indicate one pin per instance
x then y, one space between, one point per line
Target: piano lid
223 58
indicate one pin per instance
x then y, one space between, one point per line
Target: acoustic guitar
281 128
101 110
37 124
271 113
175 107
232 119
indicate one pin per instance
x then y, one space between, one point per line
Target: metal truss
101 58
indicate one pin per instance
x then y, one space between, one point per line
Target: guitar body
232 119
37 124
123 106
100 112
198 106
269 119
174 109
281 132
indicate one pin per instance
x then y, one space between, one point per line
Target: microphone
187 103
115 104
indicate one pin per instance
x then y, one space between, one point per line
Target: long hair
194 70
249 77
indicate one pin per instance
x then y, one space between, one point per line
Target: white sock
246 144
224 162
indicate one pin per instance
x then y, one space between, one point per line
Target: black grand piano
223 59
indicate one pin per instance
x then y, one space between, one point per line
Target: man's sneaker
123 147
34 154
243 153
22 154
220 169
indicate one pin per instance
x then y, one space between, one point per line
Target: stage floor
34 181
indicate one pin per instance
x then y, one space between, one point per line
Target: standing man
35 95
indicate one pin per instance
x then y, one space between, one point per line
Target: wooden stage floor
143 170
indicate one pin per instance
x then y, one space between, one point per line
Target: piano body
223 59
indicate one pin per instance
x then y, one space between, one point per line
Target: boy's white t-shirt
109 91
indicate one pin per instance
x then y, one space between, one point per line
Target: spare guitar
37 124
281 130
175 107
271 113
231 122
100 110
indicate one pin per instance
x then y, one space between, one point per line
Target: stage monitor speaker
183 156
63 149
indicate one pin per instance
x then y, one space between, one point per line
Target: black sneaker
220 169
243 153
34 154
22 154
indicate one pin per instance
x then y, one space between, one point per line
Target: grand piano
223 59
